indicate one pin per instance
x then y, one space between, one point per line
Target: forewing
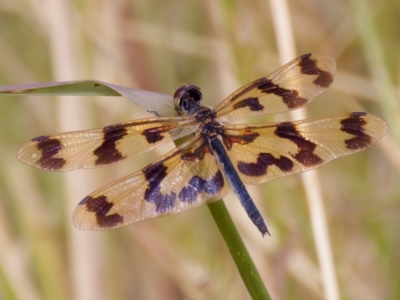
185 178
292 86
261 153
105 146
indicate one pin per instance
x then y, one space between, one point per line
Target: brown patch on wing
154 175
354 125
153 135
249 87
309 67
252 103
244 139
100 206
49 147
290 97
264 160
107 152
196 154
305 155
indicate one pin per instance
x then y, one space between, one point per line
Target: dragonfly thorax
211 128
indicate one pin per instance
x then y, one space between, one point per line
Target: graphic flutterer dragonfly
215 155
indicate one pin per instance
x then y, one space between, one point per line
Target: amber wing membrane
185 178
104 146
264 152
290 87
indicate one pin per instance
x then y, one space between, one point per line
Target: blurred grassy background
157 45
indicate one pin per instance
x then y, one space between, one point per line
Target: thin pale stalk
286 45
64 52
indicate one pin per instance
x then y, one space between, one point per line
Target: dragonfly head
187 99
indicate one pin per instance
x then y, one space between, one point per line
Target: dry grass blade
311 182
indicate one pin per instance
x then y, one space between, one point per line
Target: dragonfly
215 154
